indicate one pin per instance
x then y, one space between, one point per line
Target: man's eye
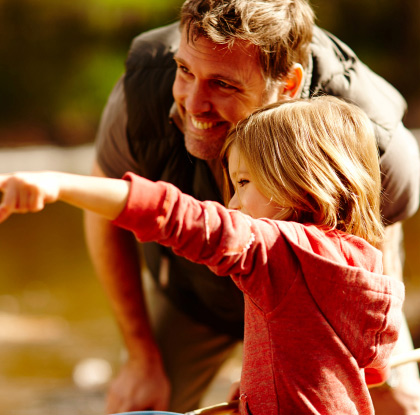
224 85
184 69
242 182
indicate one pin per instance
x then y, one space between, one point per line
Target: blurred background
59 345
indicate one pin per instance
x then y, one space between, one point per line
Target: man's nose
234 202
197 100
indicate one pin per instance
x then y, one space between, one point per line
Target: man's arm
403 397
142 382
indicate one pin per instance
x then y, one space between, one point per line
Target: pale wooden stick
407 357
224 408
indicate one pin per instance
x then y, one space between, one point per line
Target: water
59 344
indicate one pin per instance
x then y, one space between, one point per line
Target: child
299 241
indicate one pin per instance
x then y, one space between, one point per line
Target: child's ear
292 84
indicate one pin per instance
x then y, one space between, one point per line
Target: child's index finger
5 210
8 196
4 177
4 185
3 180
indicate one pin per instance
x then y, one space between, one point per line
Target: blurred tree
60 59
385 35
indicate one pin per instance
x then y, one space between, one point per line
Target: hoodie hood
363 307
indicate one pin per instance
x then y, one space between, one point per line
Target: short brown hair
281 29
318 160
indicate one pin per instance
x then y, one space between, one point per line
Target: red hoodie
318 311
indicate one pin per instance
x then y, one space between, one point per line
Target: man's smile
203 125
200 125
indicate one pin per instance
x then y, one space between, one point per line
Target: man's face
214 88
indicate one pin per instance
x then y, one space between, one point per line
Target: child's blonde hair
316 158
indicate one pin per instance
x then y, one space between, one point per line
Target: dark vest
158 146
336 70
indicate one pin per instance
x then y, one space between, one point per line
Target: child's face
247 198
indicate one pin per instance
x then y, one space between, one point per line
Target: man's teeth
201 125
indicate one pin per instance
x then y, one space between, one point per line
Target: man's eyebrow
177 58
217 76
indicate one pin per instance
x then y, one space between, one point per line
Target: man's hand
27 192
139 387
396 401
233 393
404 397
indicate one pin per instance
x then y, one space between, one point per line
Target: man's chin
204 150
203 155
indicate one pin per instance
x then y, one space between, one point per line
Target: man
184 87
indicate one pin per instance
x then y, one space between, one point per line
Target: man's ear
293 82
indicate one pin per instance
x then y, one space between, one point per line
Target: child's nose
234 202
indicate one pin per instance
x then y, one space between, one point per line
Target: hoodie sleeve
203 232
377 376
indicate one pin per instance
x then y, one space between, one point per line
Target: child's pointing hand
26 192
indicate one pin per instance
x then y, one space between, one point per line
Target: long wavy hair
317 159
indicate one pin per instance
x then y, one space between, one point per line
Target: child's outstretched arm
30 191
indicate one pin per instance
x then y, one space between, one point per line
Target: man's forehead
237 63
203 44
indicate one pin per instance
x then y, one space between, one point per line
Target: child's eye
242 182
